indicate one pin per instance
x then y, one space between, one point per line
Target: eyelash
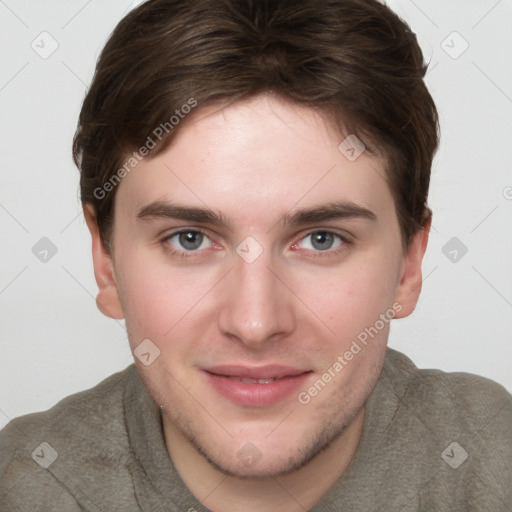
187 254
176 252
345 242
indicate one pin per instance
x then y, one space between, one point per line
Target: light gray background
53 339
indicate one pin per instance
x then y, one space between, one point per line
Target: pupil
322 240
190 239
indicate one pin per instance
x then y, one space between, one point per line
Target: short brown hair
354 60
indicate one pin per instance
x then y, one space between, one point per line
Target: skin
297 304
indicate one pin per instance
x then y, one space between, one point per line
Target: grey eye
321 241
190 240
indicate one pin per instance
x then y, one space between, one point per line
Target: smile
255 386
253 381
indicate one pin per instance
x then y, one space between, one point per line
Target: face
264 267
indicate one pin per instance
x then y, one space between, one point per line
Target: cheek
163 301
157 298
351 296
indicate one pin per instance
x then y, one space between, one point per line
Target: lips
255 386
273 372
253 381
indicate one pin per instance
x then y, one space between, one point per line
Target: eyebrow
164 210
330 211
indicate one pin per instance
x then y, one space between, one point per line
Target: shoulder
39 451
461 423
468 400
76 413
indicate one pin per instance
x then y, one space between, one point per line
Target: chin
257 465
267 457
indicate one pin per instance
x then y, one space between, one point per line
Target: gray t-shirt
431 441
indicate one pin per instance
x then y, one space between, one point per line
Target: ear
107 299
409 287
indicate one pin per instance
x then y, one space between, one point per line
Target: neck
294 492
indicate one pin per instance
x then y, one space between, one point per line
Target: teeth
254 381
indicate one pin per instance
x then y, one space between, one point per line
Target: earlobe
409 287
107 300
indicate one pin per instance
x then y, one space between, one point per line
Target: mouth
253 381
256 386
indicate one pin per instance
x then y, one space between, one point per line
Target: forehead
259 152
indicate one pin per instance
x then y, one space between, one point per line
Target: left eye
322 240
189 240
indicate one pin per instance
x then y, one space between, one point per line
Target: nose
258 304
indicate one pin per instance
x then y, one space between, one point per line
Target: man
254 176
